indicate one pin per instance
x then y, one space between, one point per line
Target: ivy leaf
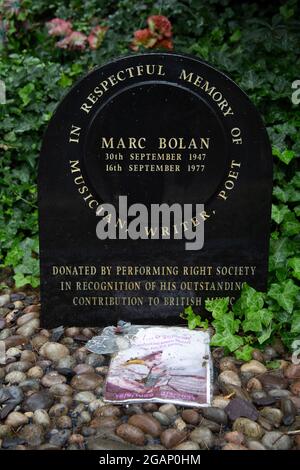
294 263
279 212
295 327
290 225
286 156
265 335
280 250
227 340
25 93
244 353
250 300
218 307
285 294
255 320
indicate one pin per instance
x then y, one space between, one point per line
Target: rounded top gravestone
171 136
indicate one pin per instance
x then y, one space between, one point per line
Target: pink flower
75 40
158 34
165 44
160 25
59 27
143 37
96 36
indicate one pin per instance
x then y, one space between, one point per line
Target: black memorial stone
157 128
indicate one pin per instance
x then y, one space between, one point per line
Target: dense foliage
257 44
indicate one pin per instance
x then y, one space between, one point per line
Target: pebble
83 369
32 385
227 363
278 393
255 445
60 390
21 366
220 402
63 422
15 340
248 427
59 438
292 371
188 445
84 418
4 430
84 397
26 318
95 360
54 351
172 437
107 410
190 416
271 381
273 415
38 341
163 419
289 411
4 299
15 377
254 367
234 437
53 378
94 405
87 381
202 436
38 401
66 362
59 409
13 352
41 418
230 377
169 410
241 408
150 407
276 440
232 446
32 434
212 425
29 328
215 414
147 423
35 372
131 434
105 422
295 388
180 424
16 419
258 355
73 331
253 384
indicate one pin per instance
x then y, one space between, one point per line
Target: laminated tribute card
162 364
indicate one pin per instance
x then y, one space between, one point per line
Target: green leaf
227 340
217 307
25 93
295 326
285 294
286 156
294 263
244 353
250 300
273 364
279 212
